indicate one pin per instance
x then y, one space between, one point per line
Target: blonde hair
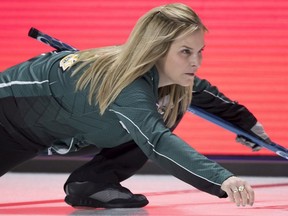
111 69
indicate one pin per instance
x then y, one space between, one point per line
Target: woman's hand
238 191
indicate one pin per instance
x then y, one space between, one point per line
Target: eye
186 51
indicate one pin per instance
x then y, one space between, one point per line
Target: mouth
190 74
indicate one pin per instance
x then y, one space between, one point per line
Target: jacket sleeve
137 112
208 97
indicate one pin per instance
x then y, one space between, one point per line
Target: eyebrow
192 48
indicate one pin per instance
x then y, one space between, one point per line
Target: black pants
13 153
15 143
111 165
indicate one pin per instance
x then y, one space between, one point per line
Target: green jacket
53 115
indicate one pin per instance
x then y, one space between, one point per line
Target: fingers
250 193
238 191
244 196
230 194
241 196
237 196
246 142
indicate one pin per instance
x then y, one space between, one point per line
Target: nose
196 60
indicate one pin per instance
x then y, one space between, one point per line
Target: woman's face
182 60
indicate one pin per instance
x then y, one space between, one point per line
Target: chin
187 83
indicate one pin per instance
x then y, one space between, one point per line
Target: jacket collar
154 76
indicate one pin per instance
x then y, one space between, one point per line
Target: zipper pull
49 151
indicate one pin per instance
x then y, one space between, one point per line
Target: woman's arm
137 112
209 98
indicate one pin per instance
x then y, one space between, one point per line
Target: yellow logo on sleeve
68 61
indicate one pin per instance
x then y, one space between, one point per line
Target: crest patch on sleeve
68 61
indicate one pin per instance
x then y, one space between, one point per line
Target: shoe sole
77 201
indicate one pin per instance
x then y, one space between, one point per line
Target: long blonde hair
111 69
